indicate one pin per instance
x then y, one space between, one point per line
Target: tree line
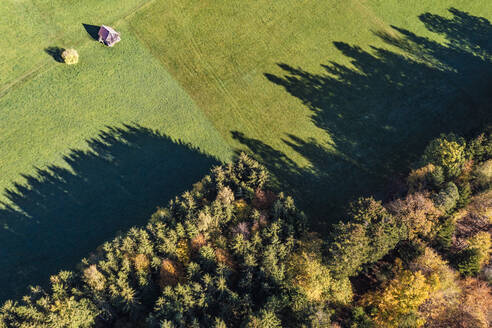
231 252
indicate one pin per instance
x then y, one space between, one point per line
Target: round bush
70 56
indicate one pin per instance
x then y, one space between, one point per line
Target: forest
235 252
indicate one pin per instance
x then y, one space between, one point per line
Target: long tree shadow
62 214
322 190
381 112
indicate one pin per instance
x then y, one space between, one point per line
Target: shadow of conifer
383 110
62 213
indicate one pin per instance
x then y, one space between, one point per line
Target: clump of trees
233 253
228 253
440 259
368 234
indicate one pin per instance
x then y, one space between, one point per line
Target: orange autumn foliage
224 257
198 242
263 199
141 263
473 308
170 273
417 212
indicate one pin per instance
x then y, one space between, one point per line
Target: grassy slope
59 109
220 52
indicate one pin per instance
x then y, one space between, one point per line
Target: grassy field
335 97
320 91
60 108
29 27
55 109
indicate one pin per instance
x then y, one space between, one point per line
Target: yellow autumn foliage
429 264
241 209
447 151
141 263
183 251
400 298
446 291
418 179
94 278
482 242
307 272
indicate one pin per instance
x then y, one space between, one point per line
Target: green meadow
29 27
336 98
61 107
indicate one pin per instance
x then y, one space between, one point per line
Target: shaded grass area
346 128
92 30
61 214
382 114
219 50
61 108
56 53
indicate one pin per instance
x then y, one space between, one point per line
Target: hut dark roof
108 36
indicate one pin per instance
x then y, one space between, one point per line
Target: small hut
108 36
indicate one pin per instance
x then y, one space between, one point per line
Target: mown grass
220 51
29 27
61 108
